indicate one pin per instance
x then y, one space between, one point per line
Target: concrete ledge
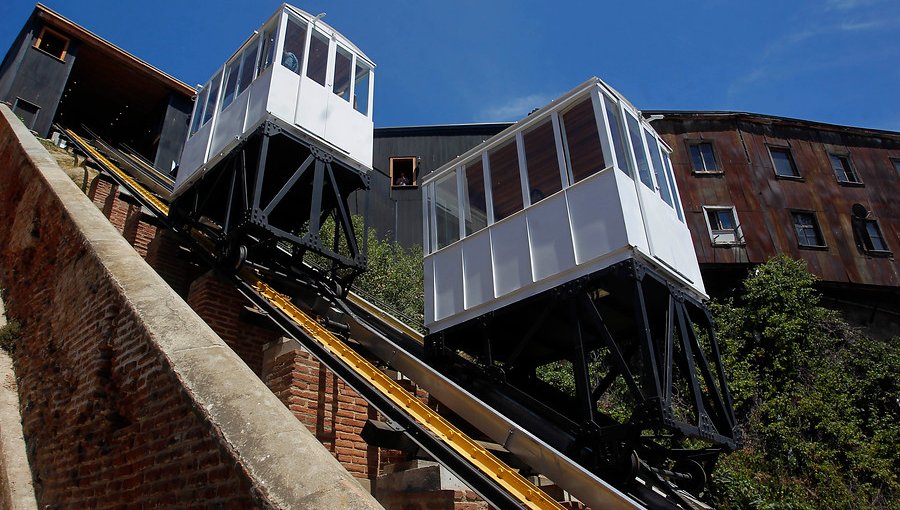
285 465
16 489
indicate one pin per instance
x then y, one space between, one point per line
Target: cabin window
248 67
615 129
809 235
232 73
361 89
703 158
872 238
541 161
675 202
317 68
783 162
583 140
212 99
267 55
342 65
403 171
198 110
52 44
506 185
476 205
658 170
640 155
27 111
294 44
446 213
843 170
722 225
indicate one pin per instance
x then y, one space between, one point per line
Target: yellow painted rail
514 483
110 166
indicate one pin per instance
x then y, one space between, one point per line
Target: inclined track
496 482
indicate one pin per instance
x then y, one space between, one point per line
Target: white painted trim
523 172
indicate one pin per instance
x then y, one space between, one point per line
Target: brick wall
128 399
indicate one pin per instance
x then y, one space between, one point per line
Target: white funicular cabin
579 185
297 69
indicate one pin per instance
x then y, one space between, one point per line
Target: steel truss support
278 196
641 358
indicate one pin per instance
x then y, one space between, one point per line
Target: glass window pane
342 62
267 55
294 44
637 144
248 67
232 73
446 210
726 220
361 89
784 163
543 165
318 58
697 158
476 209
661 180
671 177
615 129
709 159
875 239
198 110
583 140
506 187
213 98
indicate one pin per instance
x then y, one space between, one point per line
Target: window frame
816 226
40 37
867 238
851 168
738 231
896 163
689 144
790 153
415 172
16 108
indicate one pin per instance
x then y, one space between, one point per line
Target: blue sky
462 61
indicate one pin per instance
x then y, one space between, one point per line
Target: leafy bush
818 400
9 335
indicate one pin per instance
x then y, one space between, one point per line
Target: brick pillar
102 193
330 410
225 310
169 260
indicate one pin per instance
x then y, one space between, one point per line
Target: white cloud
847 5
515 108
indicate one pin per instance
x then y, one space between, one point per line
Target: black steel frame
229 204
659 358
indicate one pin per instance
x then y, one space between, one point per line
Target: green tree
818 400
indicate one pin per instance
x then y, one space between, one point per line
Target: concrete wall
128 398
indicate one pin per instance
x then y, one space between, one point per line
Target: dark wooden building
58 72
755 186
404 155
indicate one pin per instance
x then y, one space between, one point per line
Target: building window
404 171
872 238
896 162
26 111
703 158
784 162
294 45
843 170
317 68
722 225
52 44
809 235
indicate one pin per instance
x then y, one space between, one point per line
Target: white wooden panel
477 271
550 237
193 156
349 130
631 210
312 107
510 254
595 215
283 93
448 282
429 291
230 123
259 97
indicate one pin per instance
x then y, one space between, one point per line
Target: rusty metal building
755 186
